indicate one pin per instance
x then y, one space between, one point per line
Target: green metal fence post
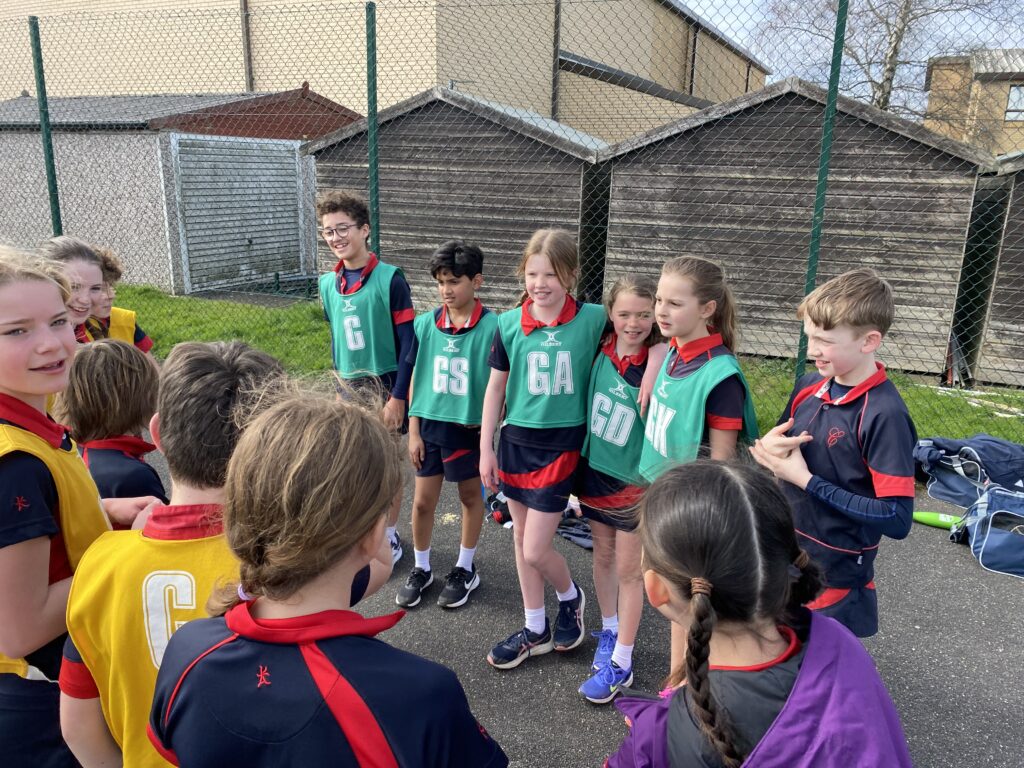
371 125
825 156
44 125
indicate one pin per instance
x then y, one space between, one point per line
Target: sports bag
994 528
959 471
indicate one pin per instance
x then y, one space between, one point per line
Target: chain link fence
192 141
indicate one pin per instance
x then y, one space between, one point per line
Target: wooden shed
455 166
735 183
1001 358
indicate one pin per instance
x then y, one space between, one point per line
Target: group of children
233 599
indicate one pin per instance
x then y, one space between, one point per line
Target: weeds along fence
193 142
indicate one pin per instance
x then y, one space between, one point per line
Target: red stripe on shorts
558 470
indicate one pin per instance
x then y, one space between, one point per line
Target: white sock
570 595
623 655
535 620
610 623
466 558
422 558
392 532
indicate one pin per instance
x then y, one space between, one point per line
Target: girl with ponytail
763 682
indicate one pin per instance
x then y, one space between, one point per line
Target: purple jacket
838 714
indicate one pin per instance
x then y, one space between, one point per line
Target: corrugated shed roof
110 111
998 61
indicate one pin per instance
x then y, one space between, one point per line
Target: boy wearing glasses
368 305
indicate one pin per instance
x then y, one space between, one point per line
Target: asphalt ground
949 649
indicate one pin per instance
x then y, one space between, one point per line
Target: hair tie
699 586
802 560
244 596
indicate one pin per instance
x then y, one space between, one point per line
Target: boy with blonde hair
844 445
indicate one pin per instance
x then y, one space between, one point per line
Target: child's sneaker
457 585
605 645
569 625
396 548
410 594
518 647
606 683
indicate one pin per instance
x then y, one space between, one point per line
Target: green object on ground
935 519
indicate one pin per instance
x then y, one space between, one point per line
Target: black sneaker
518 647
409 595
569 625
457 585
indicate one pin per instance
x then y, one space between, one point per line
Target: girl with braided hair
764 683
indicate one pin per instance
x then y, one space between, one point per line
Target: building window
1015 103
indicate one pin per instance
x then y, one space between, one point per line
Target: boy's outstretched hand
782 455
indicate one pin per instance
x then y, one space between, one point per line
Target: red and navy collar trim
82 334
306 629
691 350
872 381
791 650
180 522
24 416
135 447
444 321
622 363
529 323
364 275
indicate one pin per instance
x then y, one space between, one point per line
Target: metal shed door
241 210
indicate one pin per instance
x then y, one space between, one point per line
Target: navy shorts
856 609
30 725
540 479
608 500
456 464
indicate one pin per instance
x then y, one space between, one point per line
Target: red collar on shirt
178 522
305 629
339 269
28 418
529 323
444 322
135 447
622 364
697 347
82 334
878 377
791 650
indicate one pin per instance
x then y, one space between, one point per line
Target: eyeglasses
339 231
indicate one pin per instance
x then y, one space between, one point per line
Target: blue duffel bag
994 528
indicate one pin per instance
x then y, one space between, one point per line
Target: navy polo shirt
443 433
863 443
117 466
311 690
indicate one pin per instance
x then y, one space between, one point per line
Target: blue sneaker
606 683
569 624
606 640
519 646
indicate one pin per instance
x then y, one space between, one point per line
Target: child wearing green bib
701 404
368 305
609 485
541 362
449 377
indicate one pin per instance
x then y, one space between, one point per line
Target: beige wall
720 74
499 51
622 113
987 118
638 36
949 98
